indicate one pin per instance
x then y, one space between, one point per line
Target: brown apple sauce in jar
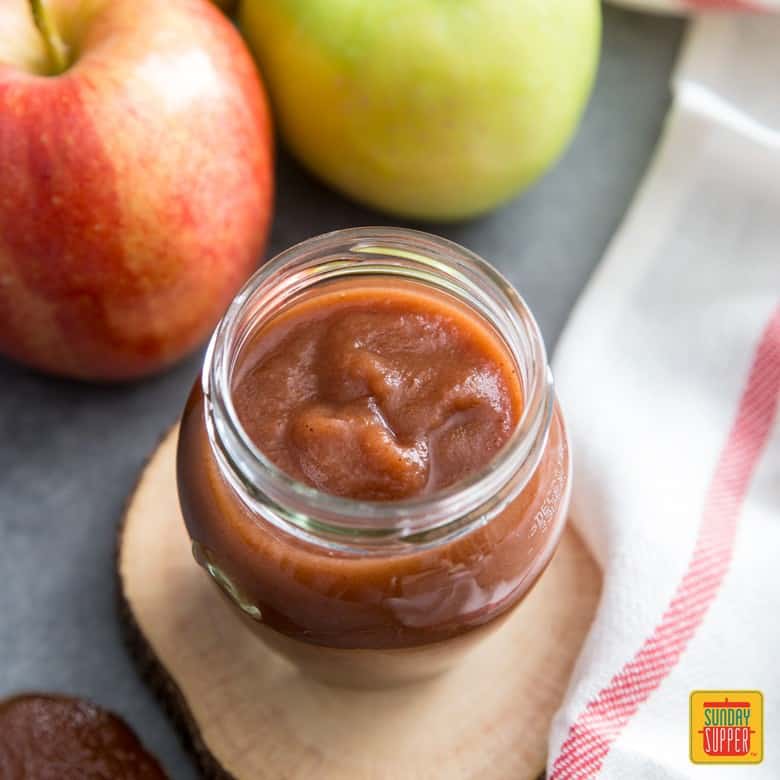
373 468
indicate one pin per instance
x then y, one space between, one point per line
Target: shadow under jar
364 577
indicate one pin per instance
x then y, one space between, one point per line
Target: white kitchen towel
669 376
697 6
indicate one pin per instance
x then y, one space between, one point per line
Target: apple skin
136 186
434 109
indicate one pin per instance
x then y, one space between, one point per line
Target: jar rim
379 251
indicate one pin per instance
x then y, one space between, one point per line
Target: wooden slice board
250 715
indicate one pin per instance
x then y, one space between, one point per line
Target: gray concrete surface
69 453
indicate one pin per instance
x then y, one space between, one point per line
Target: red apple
136 180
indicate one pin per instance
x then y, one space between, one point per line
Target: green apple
436 109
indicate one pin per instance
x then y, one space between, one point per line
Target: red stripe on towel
592 734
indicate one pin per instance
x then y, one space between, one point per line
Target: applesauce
373 468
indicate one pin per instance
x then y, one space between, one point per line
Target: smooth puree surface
378 392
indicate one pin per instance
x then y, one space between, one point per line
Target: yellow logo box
727 727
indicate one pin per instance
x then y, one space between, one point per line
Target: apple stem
56 48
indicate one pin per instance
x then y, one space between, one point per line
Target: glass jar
373 593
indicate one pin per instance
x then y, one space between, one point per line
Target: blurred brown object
48 736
